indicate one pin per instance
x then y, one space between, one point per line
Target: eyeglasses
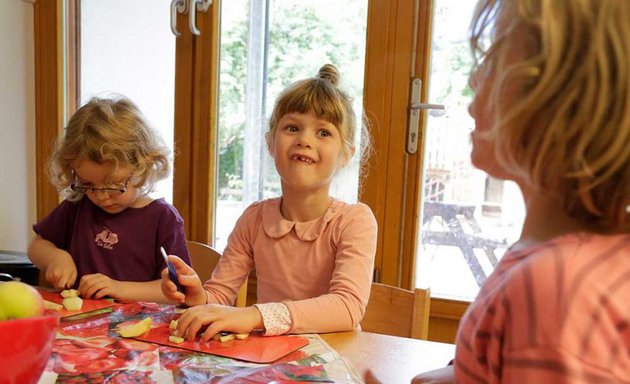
111 191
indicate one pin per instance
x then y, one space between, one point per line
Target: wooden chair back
204 259
398 312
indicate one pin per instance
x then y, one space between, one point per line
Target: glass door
126 47
468 218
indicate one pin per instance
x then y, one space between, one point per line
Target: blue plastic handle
172 273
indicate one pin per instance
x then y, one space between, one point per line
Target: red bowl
25 346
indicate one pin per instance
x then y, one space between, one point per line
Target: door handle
177 6
197 5
415 106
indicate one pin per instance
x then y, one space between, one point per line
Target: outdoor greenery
302 37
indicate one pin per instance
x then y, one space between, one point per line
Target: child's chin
113 209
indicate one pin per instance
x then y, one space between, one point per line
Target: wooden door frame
48 97
390 188
196 110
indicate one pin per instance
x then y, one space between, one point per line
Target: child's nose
304 144
100 194
304 140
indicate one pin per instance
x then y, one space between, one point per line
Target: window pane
265 46
127 48
469 218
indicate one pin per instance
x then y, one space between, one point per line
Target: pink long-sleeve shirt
320 270
554 313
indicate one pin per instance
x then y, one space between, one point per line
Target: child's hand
193 294
217 318
98 286
61 272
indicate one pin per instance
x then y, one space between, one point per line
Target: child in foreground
552 113
313 254
105 237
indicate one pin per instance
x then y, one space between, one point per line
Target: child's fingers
61 279
191 281
180 266
169 289
73 278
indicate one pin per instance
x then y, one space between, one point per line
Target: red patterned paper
89 305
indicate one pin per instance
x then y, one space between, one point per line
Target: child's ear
347 155
269 140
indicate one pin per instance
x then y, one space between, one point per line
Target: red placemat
256 348
89 305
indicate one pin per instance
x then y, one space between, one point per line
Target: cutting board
89 305
256 348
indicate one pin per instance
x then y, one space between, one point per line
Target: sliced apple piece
172 325
69 293
52 306
223 337
72 303
241 336
136 329
175 339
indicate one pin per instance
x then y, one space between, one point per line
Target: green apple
19 300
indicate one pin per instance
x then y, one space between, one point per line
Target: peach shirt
321 269
554 313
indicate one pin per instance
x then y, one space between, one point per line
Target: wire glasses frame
111 191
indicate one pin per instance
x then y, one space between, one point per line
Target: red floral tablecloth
89 350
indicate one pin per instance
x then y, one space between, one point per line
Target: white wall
17 125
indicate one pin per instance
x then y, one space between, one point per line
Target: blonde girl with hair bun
313 254
104 239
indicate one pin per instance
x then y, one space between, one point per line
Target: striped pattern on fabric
554 313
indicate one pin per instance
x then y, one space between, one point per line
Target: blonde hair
567 130
321 96
110 130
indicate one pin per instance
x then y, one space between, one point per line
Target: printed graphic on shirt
106 239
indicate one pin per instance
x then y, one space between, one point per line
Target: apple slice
73 303
52 306
241 336
175 339
173 325
69 293
136 329
223 337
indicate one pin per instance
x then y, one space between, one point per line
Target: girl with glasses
104 239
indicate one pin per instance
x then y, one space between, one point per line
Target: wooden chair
204 258
398 312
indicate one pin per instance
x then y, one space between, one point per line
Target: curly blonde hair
321 96
110 130
567 130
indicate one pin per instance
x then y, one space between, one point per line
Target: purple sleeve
57 226
171 234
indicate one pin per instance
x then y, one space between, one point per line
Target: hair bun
330 73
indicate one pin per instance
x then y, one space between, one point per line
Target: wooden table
391 359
